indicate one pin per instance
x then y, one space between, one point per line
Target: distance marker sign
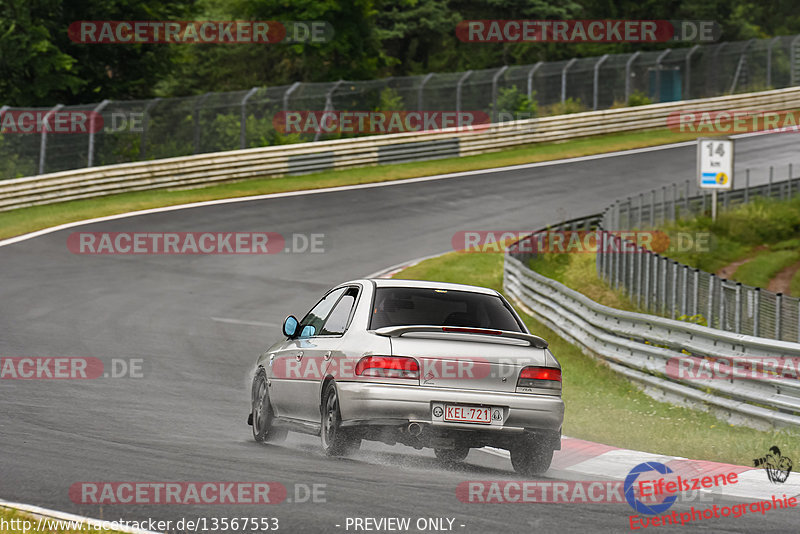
715 163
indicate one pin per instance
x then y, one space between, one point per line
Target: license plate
468 414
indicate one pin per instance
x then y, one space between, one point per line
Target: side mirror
290 325
308 331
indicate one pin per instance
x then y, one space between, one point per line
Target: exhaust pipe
414 429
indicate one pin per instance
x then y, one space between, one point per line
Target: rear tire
263 416
452 456
530 457
336 441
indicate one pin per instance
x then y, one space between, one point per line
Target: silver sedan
425 364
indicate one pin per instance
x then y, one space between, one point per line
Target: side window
336 323
316 317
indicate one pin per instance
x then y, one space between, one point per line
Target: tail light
539 377
388 367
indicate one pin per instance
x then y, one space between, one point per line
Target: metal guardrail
640 346
276 161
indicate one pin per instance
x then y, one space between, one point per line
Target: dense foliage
39 65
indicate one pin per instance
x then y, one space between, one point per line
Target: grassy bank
602 406
764 236
25 220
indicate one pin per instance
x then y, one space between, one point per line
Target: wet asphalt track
185 420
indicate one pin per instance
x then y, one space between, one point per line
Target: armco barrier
639 346
276 161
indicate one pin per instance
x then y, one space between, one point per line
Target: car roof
426 284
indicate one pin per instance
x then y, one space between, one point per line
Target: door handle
327 356
298 356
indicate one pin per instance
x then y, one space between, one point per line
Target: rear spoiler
397 331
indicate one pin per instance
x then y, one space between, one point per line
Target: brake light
465 330
388 367
539 377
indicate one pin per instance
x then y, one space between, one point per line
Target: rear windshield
401 306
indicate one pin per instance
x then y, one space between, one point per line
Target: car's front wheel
336 440
530 457
263 416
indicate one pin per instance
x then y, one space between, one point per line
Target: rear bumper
395 404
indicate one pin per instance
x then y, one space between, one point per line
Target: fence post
793 61
530 78
328 104
756 311
628 75
420 101
196 116
747 186
598 256
663 204
789 184
145 125
674 211
617 259
689 71
43 143
596 80
656 282
684 289
769 61
287 94
458 90
769 184
639 255
564 78
243 120
696 293
778 315
658 71
737 313
664 274
92 127
647 261
711 283
496 77
723 318
674 290
639 214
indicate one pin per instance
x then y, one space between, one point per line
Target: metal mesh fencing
169 127
659 285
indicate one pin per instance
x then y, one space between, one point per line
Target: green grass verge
25 220
17 521
602 406
763 268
